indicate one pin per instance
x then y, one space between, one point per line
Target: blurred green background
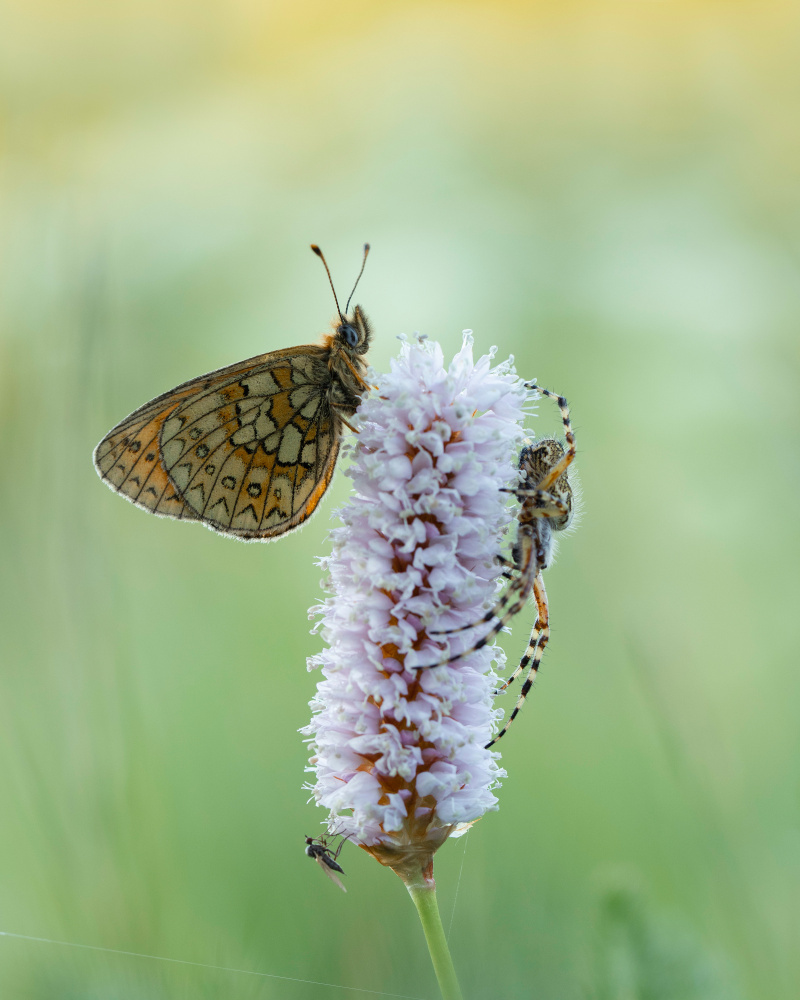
606 190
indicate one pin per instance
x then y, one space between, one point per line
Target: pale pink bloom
399 753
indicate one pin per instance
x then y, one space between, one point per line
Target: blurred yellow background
606 190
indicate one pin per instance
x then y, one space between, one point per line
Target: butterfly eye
351 336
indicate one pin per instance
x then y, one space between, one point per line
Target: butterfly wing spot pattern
248 450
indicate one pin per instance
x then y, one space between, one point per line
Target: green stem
424 897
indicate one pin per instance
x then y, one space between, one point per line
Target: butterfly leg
359 377
344 420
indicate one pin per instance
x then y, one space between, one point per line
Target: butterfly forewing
248 449
128 458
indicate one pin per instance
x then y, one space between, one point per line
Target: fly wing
321 861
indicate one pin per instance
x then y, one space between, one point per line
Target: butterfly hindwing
248 449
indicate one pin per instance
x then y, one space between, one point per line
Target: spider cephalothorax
546 511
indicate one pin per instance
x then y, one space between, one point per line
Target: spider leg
511 567
560 467
496 611
524 590
526 659
546 504
533 655
462 628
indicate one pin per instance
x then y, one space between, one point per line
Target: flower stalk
424 896
405 707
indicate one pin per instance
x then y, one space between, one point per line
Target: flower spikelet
398 752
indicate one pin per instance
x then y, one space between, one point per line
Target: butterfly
250 449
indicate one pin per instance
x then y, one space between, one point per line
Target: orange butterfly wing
249 450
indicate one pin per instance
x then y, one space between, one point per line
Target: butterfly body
247 450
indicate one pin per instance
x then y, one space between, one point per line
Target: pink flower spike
398 751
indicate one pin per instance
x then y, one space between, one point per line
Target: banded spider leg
546 506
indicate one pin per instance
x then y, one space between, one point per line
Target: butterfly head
354 332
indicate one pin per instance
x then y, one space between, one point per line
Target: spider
546 506
317 848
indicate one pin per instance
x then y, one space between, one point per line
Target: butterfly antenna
321 256
363 265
